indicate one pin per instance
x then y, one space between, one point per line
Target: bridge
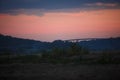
81 39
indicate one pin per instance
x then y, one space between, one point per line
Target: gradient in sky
48 20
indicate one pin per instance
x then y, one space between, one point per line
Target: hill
10 44
19 45
108 44
27 46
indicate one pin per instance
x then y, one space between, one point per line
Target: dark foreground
59 72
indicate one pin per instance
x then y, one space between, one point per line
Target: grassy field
92 66
46 71
91 58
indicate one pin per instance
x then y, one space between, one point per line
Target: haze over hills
27 46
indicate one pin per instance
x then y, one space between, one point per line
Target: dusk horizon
49 20
79 38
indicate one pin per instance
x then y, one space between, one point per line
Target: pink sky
62 25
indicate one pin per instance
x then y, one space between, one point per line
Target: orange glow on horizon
54 25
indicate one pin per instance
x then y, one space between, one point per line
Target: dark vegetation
16 50
26 46
22 59
105 44
73 55
60 64
59 72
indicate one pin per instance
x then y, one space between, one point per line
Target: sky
49 20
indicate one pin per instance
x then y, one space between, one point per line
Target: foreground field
59 66
46 71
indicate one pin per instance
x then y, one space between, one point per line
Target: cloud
38 12
39 7
100 4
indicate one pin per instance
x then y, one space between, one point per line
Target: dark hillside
109 44
15 45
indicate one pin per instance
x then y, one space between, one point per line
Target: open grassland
59 58
92 66
46 71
